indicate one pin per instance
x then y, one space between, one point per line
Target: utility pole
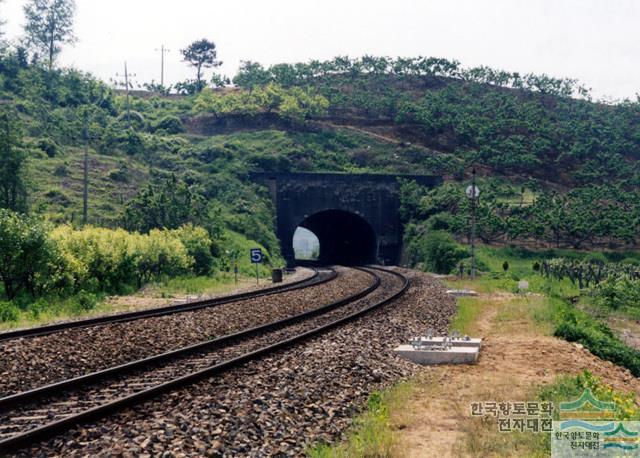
473 224
85 184
473 193
85 177
126 86
126 82
162 51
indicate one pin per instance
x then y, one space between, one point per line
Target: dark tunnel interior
345 238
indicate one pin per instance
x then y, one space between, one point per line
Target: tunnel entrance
344 237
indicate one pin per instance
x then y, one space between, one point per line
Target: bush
61 170
27 255
438 252
86 301
48 146
198 244
108 260
616 292
160 254
600 341
8 312
119 175
169 124
132 143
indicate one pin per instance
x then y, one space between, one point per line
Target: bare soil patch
515 358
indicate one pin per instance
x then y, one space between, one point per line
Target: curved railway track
40 413
319 277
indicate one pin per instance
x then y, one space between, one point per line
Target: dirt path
368 133
149 298
516 357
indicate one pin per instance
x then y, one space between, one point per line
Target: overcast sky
596 41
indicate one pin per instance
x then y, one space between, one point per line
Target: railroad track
319 276
40 413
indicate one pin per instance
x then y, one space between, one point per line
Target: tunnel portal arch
361 204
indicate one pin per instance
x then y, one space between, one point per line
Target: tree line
251 74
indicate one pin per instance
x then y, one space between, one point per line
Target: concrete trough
454 355
462 292
472 342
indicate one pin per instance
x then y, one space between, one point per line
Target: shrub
108 260
86 301
135 119
121 174
48 146
132 143
616 292
169 124
198 244
438 252
8 312
160 254
600 341
61 170
26 253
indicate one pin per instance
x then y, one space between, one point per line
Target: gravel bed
97 394
31 362
278 405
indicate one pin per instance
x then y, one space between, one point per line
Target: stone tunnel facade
355 216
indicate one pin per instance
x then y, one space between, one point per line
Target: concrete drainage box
453 355
462 292
441 350
434 341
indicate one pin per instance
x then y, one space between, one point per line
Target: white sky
596 41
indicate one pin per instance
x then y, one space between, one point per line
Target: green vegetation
598 338
569 320
201 54
13 192
26 254
465 317
570 388
371 434
39 263
294 104
49 25
598 216
160 161
437 251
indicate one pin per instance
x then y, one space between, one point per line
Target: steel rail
28 437
17 399
313 280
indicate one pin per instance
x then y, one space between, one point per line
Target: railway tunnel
354 216
343 237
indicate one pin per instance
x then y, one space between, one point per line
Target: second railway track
37 414
318 277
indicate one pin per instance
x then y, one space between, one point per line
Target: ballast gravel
28 363
276 406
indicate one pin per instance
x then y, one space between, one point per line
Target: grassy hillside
555 167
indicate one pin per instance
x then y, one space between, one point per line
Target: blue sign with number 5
256 256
